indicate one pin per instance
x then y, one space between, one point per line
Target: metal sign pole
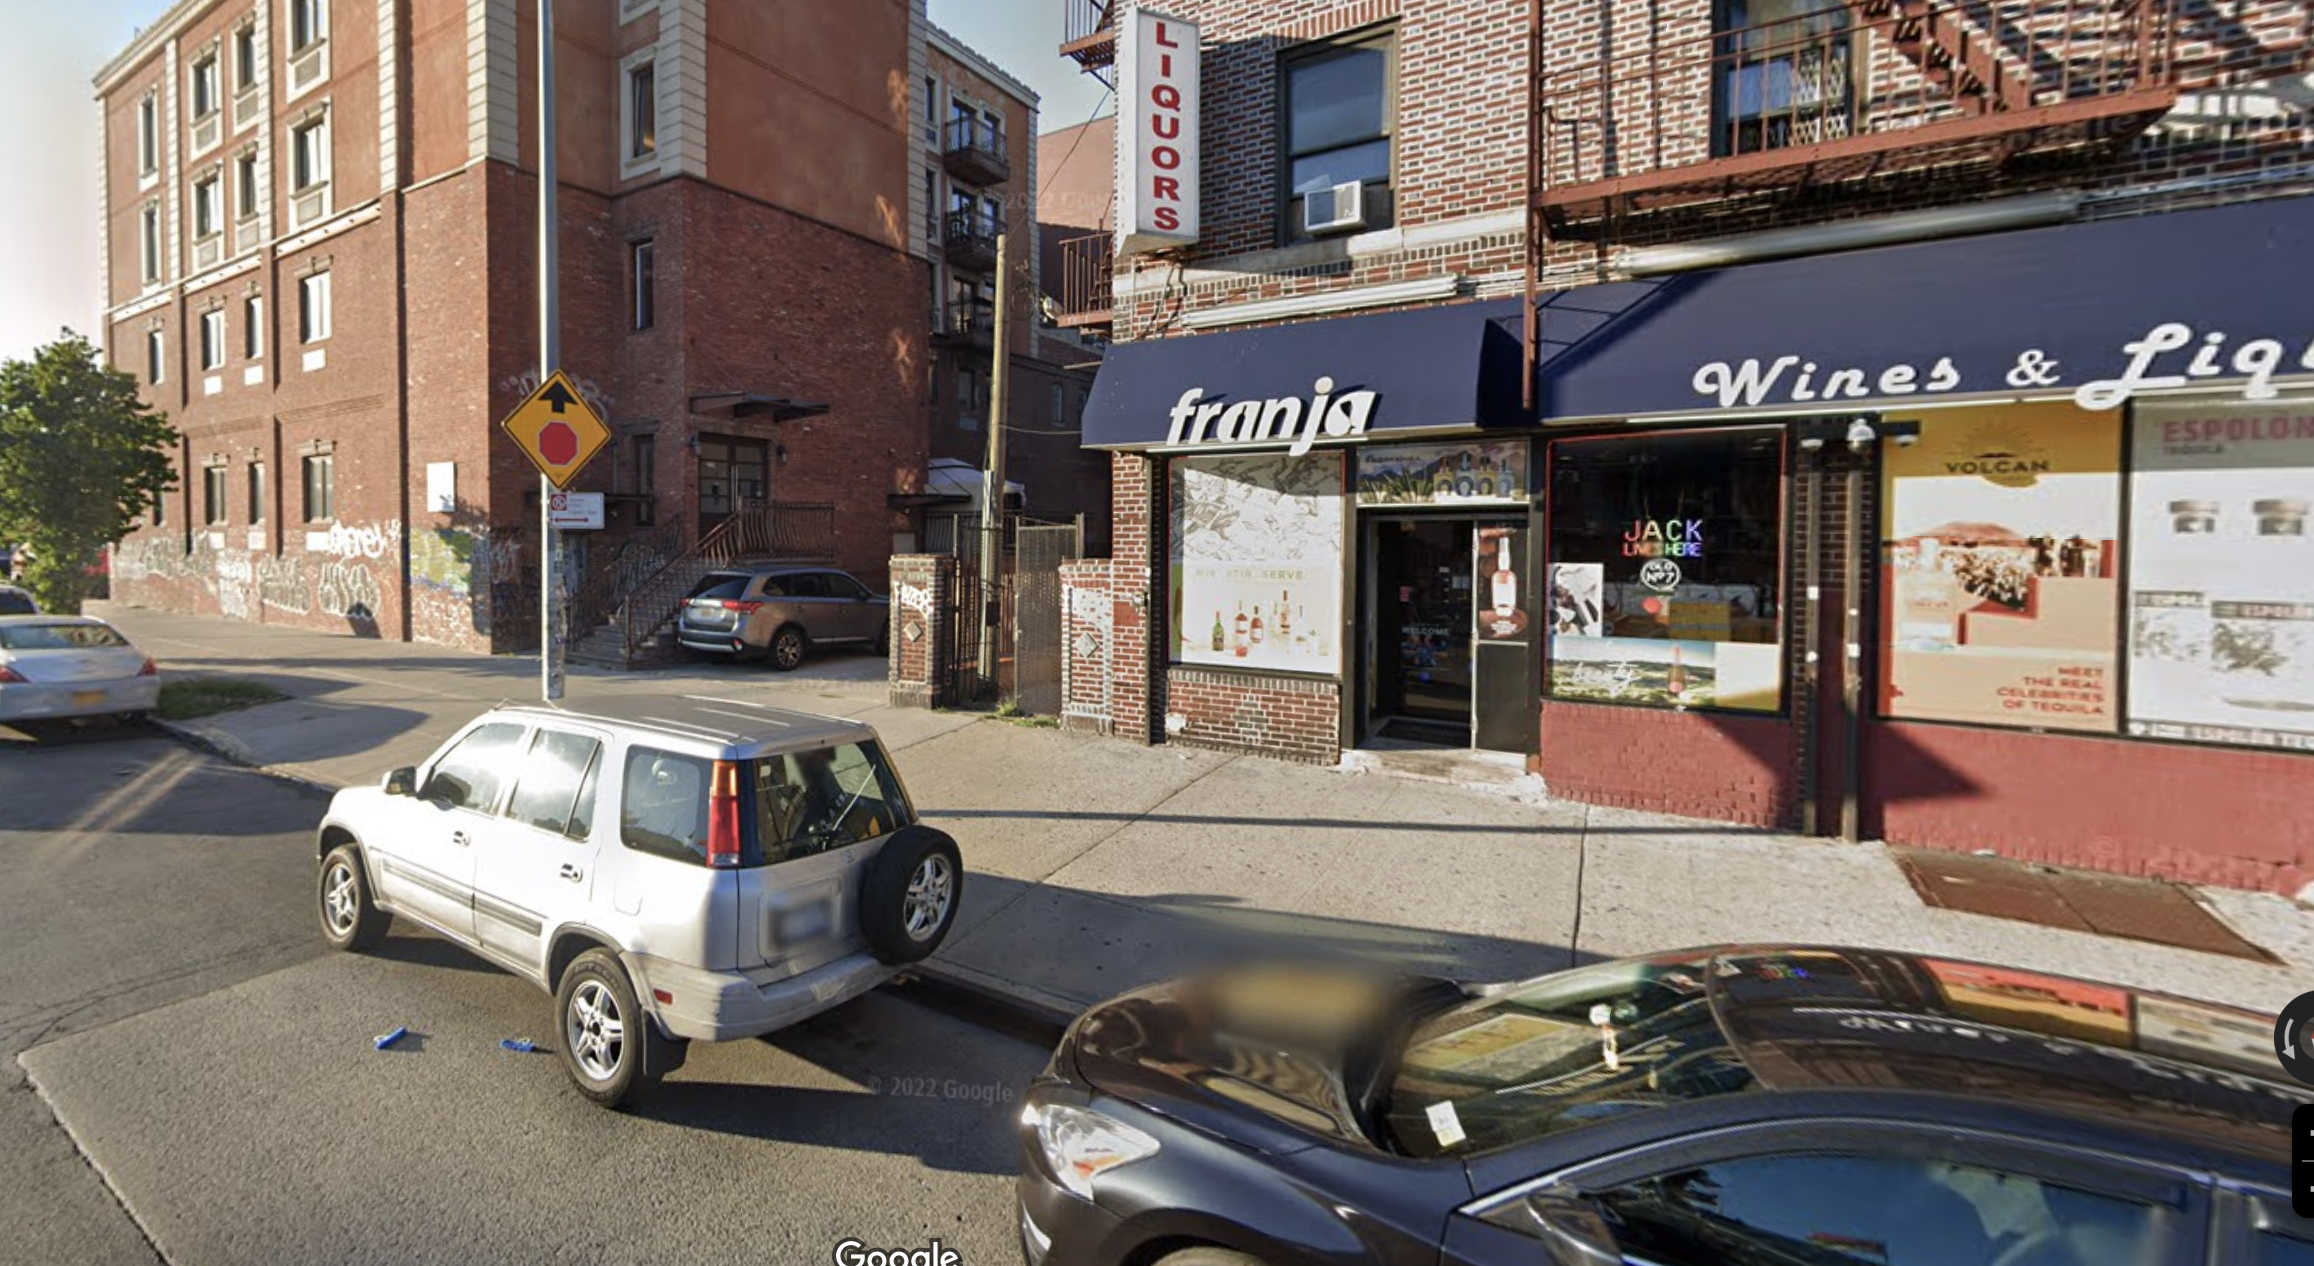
550 611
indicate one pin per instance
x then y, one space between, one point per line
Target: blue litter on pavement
519 1045
388 1039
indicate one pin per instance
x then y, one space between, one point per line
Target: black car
1755 1106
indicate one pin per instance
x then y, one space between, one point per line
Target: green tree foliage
81 461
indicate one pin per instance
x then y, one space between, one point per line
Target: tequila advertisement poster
2221 576
2000 560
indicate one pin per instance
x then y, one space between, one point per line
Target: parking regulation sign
580 511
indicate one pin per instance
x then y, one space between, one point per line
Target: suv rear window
723 586
803 803
16 602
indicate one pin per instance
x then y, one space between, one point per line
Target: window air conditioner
1332 209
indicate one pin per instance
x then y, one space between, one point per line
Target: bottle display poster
1487 472
2221 574
1499 613
1257 561
2000 566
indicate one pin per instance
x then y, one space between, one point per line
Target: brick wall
1298 719
923 649
1705 765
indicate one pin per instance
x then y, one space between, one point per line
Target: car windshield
1560 1052
58 637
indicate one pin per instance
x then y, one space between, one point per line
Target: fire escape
1686 134
1088 261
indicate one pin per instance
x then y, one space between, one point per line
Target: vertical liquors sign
1157 95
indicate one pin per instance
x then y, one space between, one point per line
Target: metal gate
1036 607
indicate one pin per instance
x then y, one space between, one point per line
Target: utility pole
550 610
992 479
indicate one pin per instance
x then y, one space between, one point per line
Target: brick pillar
923 591
1110 617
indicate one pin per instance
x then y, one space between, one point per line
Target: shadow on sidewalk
1574 829
1067 943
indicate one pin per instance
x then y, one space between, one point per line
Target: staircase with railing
630 615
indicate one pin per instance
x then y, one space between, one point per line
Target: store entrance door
1445 633
1421 611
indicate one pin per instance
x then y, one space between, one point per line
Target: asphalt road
178 1024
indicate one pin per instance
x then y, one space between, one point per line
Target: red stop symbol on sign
557 442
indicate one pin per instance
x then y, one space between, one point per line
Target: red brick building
1883 420
320 223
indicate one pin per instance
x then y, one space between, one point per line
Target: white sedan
54 667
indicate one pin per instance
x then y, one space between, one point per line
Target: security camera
1907 439
1860 435
1812 443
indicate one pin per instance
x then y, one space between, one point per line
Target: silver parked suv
780 612
668 868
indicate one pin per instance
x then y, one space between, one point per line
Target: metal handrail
1083 19
1088 274
758 529
962 223
973 131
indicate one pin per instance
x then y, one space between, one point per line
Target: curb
968 996
232 754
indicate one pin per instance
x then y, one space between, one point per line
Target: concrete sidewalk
1097 865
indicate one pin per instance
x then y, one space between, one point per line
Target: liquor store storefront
1973 544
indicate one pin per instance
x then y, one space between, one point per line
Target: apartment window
253 327
213 495
642 273
245 185
320 486
643 111
1060 403
313 302
307 23
257 492
213 338
1786 74
149 241
931 108
206 97
932 202
309 153
149 135
156 349
1339 115
208 207
991 216
967 389
646 478
245 58
160 512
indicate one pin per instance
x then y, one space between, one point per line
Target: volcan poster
2000 564
2221 580
1257 561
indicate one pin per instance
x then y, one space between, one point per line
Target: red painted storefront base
2236 819
1726 768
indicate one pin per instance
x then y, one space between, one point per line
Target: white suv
669 868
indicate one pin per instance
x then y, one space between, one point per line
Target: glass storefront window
1666 575
2221 578
1257 561
2000 549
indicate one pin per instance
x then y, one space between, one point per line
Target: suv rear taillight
150 669
743 608
723 815
10 674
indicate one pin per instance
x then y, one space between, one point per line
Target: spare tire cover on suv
884 896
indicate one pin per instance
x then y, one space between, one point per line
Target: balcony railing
1088 269
969 239
1089 32
974 151
973 324
1874 87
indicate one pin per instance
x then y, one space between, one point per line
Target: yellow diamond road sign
556 430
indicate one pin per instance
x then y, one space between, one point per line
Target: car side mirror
1568 1223
401 782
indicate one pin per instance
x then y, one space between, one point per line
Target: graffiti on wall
236 582
356 540
282 585
526 382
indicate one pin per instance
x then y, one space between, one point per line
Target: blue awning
1445 367
2035 312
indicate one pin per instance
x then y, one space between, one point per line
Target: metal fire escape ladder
1961 63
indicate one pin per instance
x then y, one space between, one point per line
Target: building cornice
986 69
149 41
